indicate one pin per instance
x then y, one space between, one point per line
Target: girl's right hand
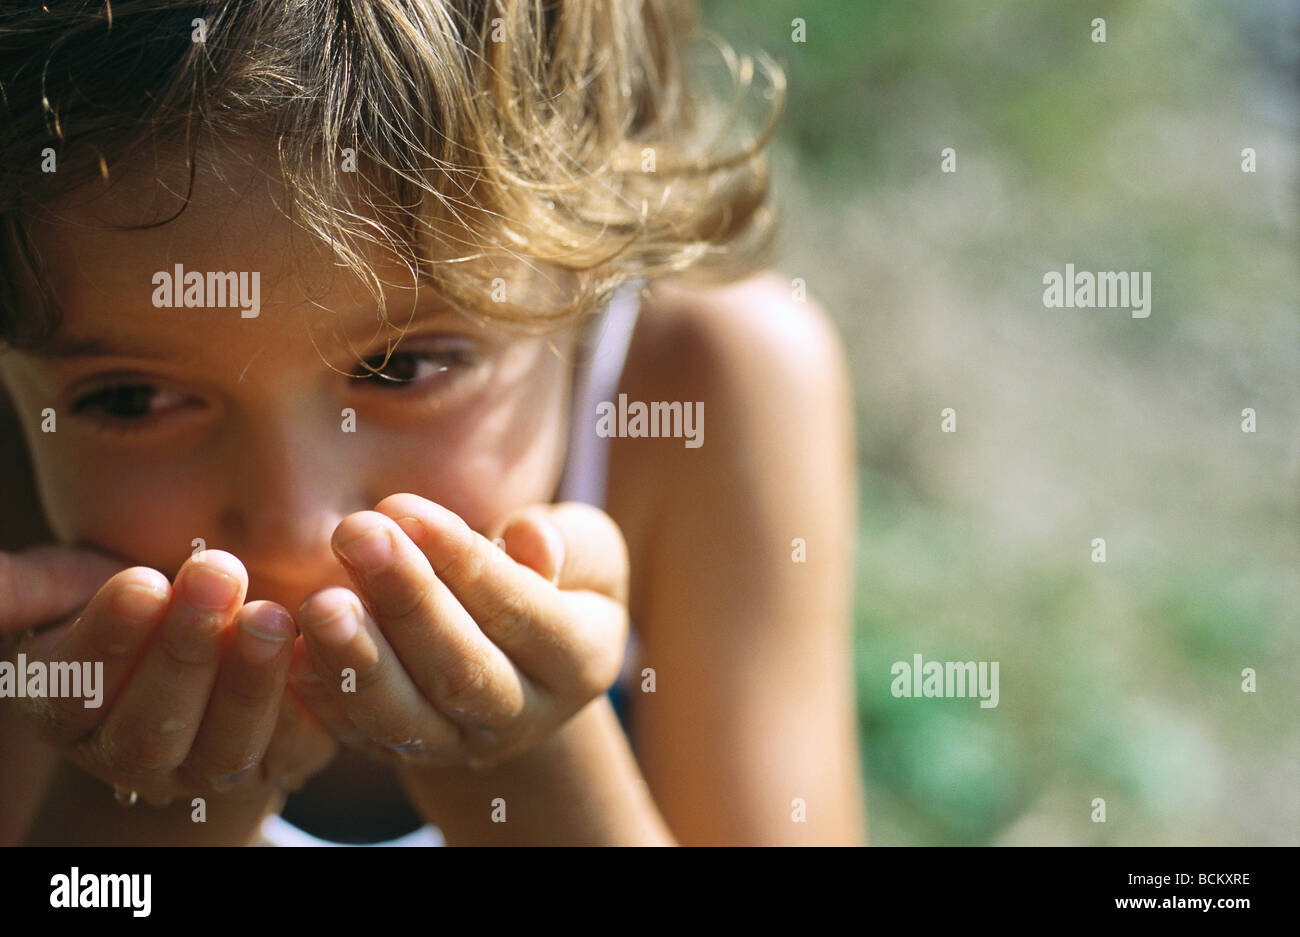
193 693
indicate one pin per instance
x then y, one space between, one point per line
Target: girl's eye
128 402
405 368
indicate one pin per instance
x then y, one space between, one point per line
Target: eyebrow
62 347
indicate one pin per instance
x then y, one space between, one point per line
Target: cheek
137 510
501 453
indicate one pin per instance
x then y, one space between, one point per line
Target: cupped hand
193 697
453 651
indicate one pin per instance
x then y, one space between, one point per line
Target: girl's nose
285 496
287 541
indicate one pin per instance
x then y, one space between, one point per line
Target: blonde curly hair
573 135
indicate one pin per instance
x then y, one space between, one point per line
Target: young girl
367 416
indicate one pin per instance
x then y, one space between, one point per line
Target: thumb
574 545
531 539
48 583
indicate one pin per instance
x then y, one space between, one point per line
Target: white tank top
601 355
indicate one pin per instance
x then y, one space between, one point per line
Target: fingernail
412 527
209 587
411 749
372 551
137 604
338 627
555 547
229 781
260 647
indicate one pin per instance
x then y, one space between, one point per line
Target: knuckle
462 683
189 650
250 695
135 754
509 615
406 601
370 675
465 566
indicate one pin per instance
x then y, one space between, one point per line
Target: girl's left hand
459 652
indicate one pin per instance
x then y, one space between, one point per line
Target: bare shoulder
769 373
734 336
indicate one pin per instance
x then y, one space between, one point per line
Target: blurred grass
1119 680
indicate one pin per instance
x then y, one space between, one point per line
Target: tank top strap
596 377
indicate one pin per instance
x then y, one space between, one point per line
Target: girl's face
177 424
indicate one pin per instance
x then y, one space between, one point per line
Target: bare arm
581 788
752 724
80 810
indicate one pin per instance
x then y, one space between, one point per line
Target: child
318 320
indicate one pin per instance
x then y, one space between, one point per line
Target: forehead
103 249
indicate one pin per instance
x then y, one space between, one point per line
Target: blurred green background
1119 680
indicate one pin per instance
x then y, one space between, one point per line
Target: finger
312 693
299 746
47 583
574 545
317 699
533 542
245 703
112 631
572 655
154 723
368 682
436 640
